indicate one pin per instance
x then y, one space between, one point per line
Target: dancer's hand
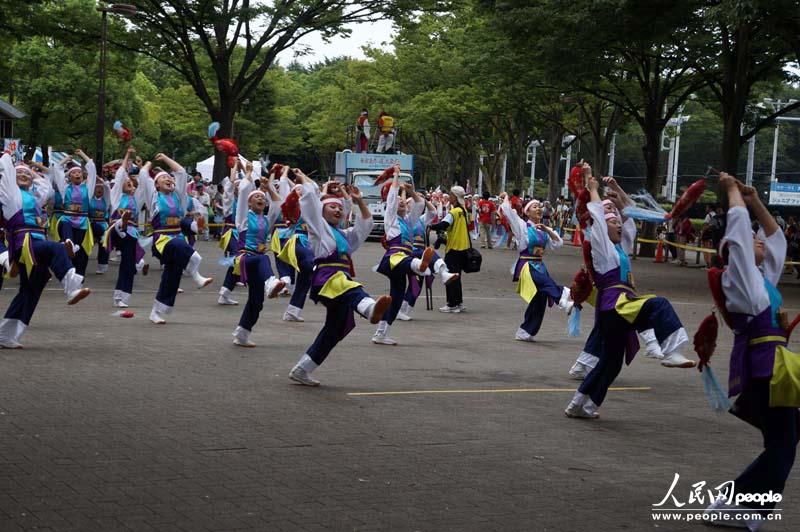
593 184
727 181
355 193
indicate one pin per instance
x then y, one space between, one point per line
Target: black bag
472 257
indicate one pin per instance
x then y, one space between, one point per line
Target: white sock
365 307
307 364
439 266
194 263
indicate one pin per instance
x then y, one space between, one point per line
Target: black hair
485 195
515 192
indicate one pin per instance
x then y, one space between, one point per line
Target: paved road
114 424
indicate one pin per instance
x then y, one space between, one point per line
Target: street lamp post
118 9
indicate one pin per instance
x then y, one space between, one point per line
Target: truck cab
362 169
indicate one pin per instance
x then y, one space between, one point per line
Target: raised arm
770 232
146 191
517 224
360 230
10 196
245 187
91 171
604 255
742 281
57 176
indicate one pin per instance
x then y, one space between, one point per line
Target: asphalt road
117 424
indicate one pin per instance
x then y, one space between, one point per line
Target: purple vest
754 361
326 267
16 229
609 287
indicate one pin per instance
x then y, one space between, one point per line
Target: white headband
528 205
160 175
337 201
254 192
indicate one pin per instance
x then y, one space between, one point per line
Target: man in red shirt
486 214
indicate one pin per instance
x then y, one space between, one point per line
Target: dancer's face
614 230
24 179
758 250
534 212
128 187
402 207
98 190
75 176
166 185
257 203
332 212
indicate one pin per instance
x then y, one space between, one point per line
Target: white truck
362 169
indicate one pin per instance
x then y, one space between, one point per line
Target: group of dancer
313 232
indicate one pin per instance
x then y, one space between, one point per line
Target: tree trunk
651 152
553 188
731 144
225 118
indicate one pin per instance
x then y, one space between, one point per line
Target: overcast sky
373 33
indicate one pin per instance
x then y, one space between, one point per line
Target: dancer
229 241
284 269
123 235
535 285
252 263
422 213
99 206
332 283
73 226
398 261
296 252
166 200
23 196
765 384
618 308
649 329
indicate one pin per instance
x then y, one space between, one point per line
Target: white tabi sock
307 364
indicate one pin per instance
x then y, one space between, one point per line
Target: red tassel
705 339
581 287
688 198
290 208
387 174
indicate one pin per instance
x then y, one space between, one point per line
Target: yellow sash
275 243
526 288
337 285
784 385
396 258
288 253
88 240
161 243
629 308
225 239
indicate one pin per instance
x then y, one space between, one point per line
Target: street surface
117 424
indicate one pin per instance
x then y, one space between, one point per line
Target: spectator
202 196
487 211
685 233
362 132
780 221
197 179
387 130
707 232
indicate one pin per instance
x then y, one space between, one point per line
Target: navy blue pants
102 253
398 279
284 268
614 330
49 256
258 269
779 427
305 260
175 258
657 314
546 290
81 259
336 317
127 261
